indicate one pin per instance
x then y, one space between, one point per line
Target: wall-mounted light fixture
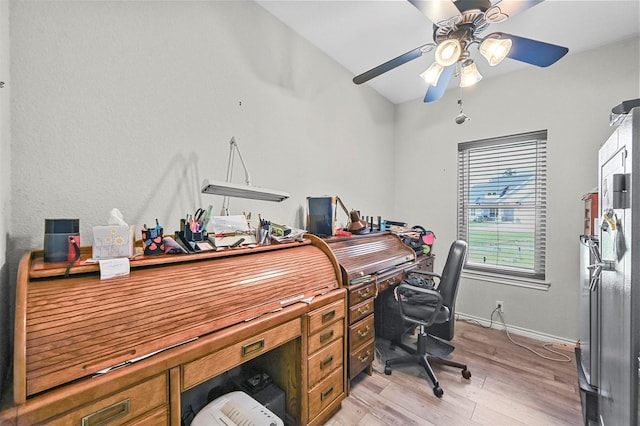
228 189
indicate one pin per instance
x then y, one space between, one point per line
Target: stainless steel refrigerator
618 267
587 352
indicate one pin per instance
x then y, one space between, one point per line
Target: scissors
200 214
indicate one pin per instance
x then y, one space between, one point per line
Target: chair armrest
432 296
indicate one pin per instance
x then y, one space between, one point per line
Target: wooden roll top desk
369 263
123 350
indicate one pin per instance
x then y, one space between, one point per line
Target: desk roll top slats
369 254
73 327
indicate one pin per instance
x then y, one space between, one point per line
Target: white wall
572 99
5 188
132 105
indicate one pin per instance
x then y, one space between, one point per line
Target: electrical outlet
500 306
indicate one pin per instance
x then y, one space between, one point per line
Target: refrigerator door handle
599 266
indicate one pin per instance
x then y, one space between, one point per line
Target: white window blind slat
502 198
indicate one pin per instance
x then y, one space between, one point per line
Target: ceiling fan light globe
495 50
432 74
469 75
448 52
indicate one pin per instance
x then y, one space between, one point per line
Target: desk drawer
385 282
358 294
361 331
326 392
209 366
325 336
158 417
121 407
360 310
361 358
322 363
324 316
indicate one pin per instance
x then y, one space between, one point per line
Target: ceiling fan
457 26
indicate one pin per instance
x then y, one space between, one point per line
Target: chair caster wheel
437 391
466 374
387 370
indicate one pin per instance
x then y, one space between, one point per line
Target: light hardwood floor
509 386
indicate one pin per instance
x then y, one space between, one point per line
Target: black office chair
436 307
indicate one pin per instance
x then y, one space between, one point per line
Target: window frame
536 141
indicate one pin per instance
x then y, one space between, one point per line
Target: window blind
502 201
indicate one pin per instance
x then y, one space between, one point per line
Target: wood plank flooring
509 386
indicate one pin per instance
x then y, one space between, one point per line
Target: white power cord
546 346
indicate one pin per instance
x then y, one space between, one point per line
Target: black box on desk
260 386
321 216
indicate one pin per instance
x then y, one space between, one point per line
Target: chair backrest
450 276
449 288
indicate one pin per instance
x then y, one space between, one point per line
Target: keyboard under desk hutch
197 316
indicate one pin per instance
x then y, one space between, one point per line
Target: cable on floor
565 358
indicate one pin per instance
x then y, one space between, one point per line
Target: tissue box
112 241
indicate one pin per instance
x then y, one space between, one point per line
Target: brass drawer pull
326 336
107 414
328 316
364 294
328 360
363 333
326 393
252 347
364 358
363 311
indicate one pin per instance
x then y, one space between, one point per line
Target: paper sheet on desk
232 228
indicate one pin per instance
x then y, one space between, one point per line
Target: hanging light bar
228 189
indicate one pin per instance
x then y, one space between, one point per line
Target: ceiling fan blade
389 65
437 10
505 9
435 92
532 51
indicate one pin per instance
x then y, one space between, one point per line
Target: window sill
507 280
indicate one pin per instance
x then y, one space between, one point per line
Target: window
502 197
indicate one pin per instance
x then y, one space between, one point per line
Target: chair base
429 351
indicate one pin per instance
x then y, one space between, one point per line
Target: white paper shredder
236 408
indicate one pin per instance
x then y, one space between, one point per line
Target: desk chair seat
435 306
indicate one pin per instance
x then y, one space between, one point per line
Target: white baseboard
533 334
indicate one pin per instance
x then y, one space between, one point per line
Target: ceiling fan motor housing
464 27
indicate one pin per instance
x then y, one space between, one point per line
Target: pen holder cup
264 234
152 241
189 235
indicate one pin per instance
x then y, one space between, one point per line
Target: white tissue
116 218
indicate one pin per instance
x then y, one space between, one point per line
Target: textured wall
132 105
5 192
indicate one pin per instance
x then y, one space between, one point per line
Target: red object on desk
340 232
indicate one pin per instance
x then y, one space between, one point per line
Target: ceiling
361 34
